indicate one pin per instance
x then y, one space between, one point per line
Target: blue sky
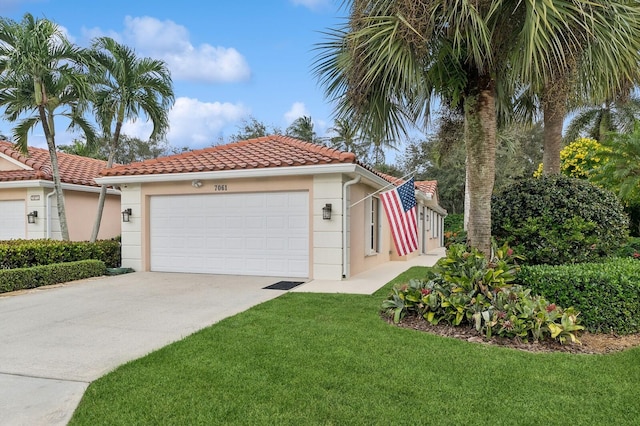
230 60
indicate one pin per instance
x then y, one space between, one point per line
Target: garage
263 233
12 220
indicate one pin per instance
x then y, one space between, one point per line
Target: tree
302 128
392 58
441 157
599 50
81 148
129 149
596 121
252 128
347 138
42 76
124 87
621 164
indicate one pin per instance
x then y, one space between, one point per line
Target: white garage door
245 234
12 220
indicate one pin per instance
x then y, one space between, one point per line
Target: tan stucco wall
8 165
268 184
13 194
360 260
81 210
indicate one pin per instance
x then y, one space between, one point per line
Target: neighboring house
272 206
26 186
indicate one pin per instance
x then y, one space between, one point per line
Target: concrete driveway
55 341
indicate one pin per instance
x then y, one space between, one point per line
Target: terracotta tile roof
265 152
391 179
74 169
427 186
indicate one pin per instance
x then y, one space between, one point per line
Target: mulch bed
589 343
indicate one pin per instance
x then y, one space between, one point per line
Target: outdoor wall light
326 212
31 217
196 183
126 215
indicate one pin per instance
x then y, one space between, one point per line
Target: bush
458 237
557 220
607 294
466 288
37 276
630 249
454 222
28 253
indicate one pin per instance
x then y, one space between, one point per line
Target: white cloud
298 109
312 4
169 41
88 34
193 123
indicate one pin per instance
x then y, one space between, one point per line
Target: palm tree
596 121
346 138
302 128
41 76
393 58
124 87
621 166
601 59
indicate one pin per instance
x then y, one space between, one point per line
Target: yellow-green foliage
579 159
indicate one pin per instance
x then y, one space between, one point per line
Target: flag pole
381 189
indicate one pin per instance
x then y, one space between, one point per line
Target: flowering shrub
467 288
580 159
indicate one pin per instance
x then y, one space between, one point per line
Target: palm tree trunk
101 201
554 110
467 200
103 189
55 171
480 143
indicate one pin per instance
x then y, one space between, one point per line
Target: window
372 223
436 225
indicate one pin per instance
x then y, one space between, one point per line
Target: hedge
37 276
606 294
28 253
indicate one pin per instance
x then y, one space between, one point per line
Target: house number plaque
219 187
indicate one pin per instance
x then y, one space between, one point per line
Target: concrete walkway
55 340
370 281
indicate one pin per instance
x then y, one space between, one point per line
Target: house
27 192
270 206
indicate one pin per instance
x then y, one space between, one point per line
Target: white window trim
372 226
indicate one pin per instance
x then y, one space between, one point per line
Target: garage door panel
12 220
297 244
246 234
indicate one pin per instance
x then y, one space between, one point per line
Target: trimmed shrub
37 276
28 253
558 220
606 294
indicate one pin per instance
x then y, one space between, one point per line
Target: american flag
400 207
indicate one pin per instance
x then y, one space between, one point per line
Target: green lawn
329 359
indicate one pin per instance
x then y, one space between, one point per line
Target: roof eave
229 174
39 183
